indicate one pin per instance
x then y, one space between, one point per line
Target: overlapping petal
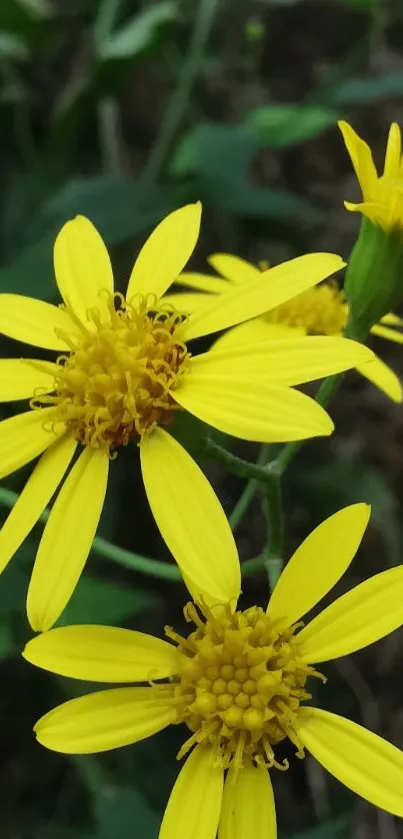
248 808
344 626
190 519
187 302
393 152
36 494
377 372
318 563
256 330
361 158
193 809
104 720
203 282
292 362
19 378
389 334
67 539
247 300
102 654
364 762
253 410
166 252
83 268
34 322
233 268
25 436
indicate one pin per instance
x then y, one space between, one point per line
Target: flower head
320 310
237 681
382 195
124 368
373 283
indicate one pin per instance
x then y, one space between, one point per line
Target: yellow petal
345 627
391 320
193 809
104 720
248 809
203 282
252 410
382 377
364 762
34 322
292 362
393 152
234 268
361 158
165 252
247 300
67 539
187 302
19 378
36 494
102 654
318 563
389 334
83 268
254 331
25 436
179 494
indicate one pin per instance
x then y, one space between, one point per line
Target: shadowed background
123 110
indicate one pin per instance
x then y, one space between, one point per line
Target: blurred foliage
121 111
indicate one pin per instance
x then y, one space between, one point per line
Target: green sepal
374 276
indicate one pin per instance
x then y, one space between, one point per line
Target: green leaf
13 47
245 199
283 125
221 156
358 91
105 602
211 148
118 208
137 34
37 8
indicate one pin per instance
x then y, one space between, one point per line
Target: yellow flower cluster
238 679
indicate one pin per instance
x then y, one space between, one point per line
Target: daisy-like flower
237 680
382 195
124 369
320 310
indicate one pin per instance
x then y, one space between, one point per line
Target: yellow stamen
240 684
322 310
116 384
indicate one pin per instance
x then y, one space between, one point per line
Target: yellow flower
382 194
237 680
320 310
124 369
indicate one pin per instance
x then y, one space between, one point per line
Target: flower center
322 310
116 384
240 684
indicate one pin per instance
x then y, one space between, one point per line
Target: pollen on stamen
322 310
239 685
116 384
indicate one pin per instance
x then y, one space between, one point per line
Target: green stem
141 564
178 103
238 466
274 553
326 390
246 497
